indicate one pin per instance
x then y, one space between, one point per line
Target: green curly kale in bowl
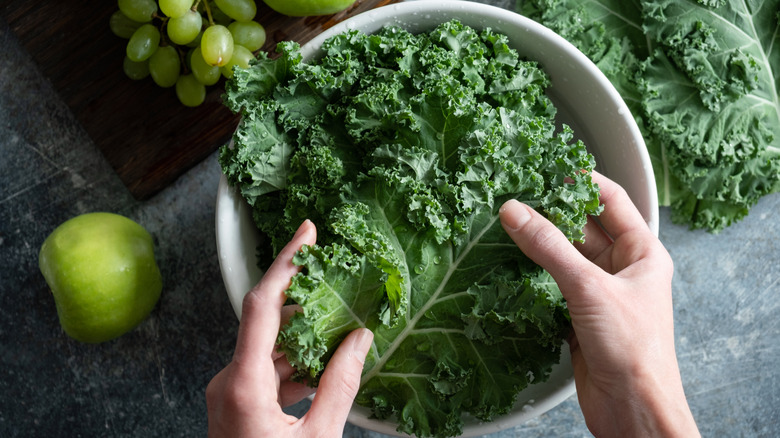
402 147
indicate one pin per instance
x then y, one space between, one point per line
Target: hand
246 398
618 290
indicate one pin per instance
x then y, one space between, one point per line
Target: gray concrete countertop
151 381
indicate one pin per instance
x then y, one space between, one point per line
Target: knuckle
347 381
228 392
612 192
349 384
250 300
254 301
212 393
540 237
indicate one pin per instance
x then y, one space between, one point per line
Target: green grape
175 8
189 91
241 57
122 26
249 34
239 10
217 15
196 42
216 46
183 30
164 66
135 70
204 73
143 43
138 10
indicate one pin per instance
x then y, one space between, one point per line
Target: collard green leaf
403 147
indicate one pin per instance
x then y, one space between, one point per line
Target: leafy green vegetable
402 148
701 77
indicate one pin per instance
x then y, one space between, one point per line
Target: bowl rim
229 202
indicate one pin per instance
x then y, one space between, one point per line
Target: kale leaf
701 78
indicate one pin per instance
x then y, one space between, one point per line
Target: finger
283 368
596 240
545 244
261 311
291 393
339 383
286 313
620 215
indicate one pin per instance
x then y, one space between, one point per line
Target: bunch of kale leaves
402 148
701 78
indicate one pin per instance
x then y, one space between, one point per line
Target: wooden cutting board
146 135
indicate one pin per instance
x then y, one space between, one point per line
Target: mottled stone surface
151 381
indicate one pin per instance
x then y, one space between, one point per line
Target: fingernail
514 215
363 341
302 228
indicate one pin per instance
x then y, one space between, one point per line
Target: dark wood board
147 136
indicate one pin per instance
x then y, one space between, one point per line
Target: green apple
305 8
102 273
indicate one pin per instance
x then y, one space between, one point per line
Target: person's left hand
245 399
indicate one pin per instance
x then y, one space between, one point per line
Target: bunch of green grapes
187 44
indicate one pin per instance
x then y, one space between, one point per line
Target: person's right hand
618 290
246 398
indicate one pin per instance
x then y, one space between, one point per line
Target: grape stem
164 35
208 12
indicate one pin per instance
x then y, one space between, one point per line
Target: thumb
339 384
546 245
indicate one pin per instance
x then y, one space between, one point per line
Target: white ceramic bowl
585 100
